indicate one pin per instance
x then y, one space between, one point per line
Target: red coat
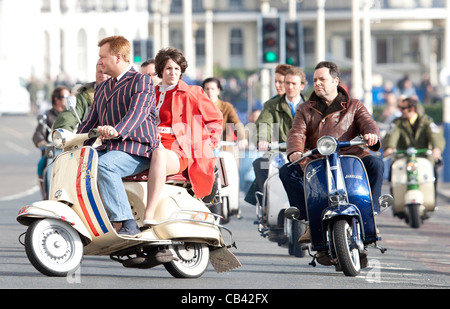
197 125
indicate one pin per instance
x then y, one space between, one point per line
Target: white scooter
73 222
273 202
228 183
413 185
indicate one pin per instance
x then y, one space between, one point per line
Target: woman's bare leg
163 162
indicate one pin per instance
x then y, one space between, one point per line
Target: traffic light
137 51
142 50
293 40
271 39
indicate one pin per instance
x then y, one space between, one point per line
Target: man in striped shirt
124 114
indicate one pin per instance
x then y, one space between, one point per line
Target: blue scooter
339 207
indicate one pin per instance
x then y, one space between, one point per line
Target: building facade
54 38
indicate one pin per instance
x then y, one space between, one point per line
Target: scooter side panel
174 212
77 170
426 183
277 200
359 193
398 183
232 190
316 195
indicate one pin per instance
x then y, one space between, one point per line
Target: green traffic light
137 59
270 56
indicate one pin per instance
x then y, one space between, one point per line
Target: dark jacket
41 133
345 119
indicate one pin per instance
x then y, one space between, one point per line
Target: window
236 42
400 48
200 49
235 5
236 48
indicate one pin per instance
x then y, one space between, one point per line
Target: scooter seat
182 177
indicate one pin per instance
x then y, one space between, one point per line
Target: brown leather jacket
349 120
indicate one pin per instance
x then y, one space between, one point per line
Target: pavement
443 189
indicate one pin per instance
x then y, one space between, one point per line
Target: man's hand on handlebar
107 132
371 139
295 156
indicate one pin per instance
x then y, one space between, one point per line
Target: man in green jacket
414 130
274 123
85 96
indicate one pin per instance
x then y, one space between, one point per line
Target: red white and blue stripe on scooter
87 192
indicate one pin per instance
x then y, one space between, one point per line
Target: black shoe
129 229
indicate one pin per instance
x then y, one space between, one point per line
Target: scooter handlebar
357 141
277 146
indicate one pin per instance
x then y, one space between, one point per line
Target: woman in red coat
189 127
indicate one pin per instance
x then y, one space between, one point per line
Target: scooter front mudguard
348 210
53 210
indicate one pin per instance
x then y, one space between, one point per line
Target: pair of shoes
149 223
306 237
129 229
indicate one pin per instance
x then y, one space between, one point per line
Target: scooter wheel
348 257
53 247
193 259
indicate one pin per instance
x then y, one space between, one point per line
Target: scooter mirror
386 200
71 102
292 213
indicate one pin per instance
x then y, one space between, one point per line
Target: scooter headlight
278 159
411 167
58 138
326 145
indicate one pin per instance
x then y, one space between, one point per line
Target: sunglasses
403 107
63 97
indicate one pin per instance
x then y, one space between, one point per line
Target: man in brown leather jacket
329 111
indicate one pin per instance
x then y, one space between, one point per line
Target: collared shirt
293 105
413 119
123 73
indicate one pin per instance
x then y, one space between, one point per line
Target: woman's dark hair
210 80
169 53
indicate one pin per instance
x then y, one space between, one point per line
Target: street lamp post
367 57
188 37
320 35
156 8
357 91
208 5
165 10
446 100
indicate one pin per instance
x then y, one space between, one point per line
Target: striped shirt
130 109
